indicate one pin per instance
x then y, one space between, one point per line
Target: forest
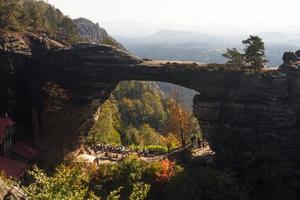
38 17
139 113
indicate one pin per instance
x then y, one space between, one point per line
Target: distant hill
171 36
202 47
92 32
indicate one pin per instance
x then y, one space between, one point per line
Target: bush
67 183
139 192
166 172
161 171
153 149
110 41
129 171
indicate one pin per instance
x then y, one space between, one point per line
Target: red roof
25 150
4 122
13 168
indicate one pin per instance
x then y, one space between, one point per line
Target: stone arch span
237 109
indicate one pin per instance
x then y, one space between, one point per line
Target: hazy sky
213 16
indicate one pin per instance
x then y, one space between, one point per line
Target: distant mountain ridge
204 47
174 36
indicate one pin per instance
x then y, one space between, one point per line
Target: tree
67 183
37 16
10 11
106 125
180 121
140 104
69 30
255 52
234 56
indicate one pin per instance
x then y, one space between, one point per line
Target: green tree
150 136
139 103
234 56
33 16
105 129
10 11
69 30
145 136
255 52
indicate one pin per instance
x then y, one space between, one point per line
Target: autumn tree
180 121
166 172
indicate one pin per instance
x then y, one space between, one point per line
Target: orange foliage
167 171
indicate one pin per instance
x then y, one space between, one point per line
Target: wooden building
6 135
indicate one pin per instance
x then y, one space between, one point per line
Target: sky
142 17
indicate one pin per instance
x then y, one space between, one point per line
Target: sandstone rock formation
238 109
92 32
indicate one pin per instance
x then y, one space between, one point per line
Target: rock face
251 113
93 32
90 31
237 110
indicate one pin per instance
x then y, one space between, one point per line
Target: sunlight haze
144 16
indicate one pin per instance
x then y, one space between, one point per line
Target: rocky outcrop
238 109
93 33
90 31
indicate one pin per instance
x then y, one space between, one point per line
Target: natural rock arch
237 109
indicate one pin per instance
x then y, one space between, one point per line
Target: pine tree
234 56
255 52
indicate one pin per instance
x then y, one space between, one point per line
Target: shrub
129 170
139 191
166 172
153 149
67 183
161 171
115 195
